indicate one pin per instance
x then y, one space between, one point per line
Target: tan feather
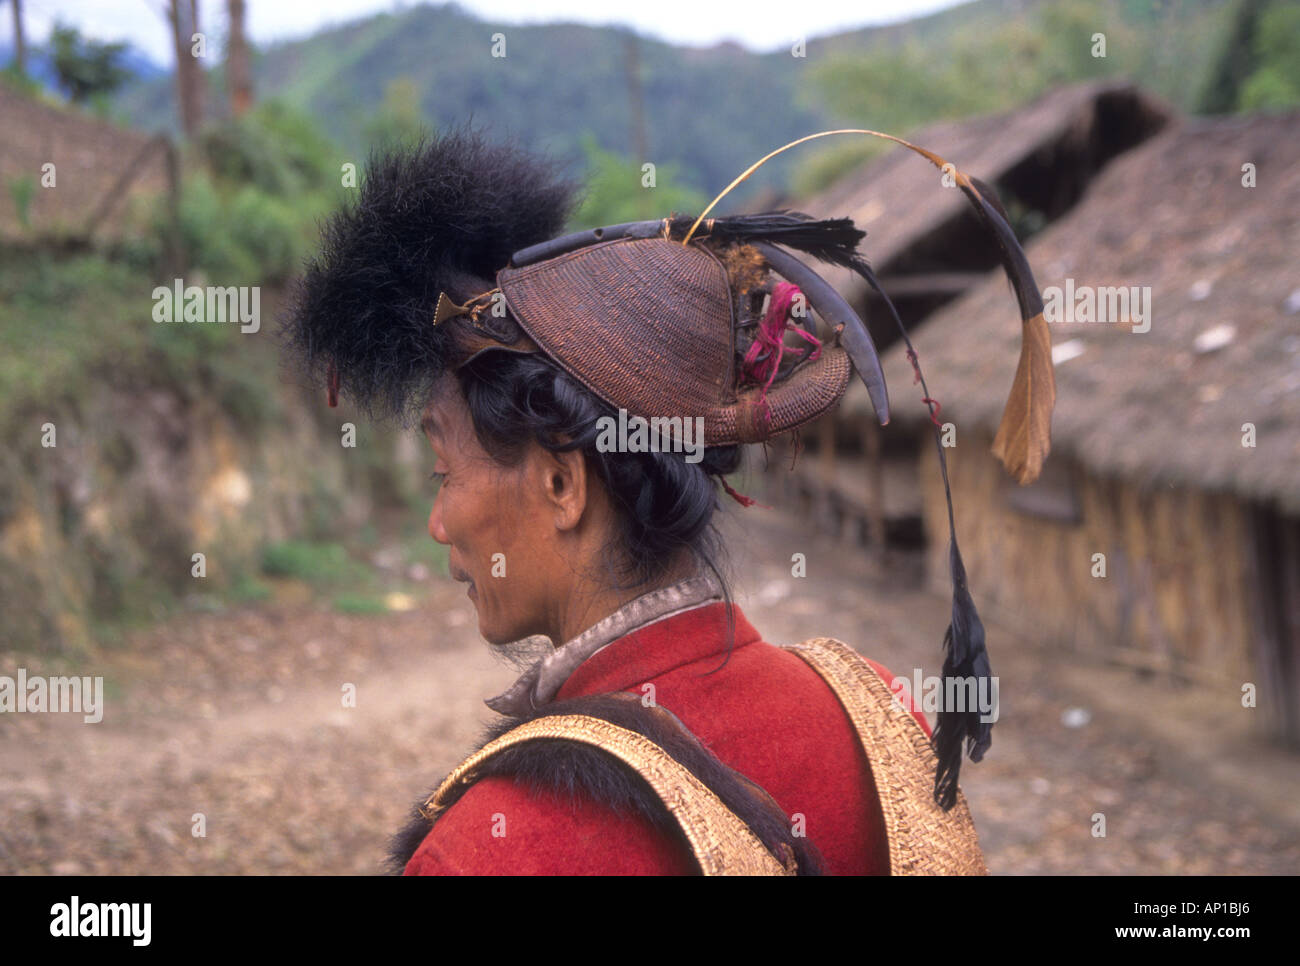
1024 436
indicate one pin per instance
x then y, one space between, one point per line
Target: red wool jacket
765 713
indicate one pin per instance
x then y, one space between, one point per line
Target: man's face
492 524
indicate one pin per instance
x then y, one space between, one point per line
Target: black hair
435 215
664 505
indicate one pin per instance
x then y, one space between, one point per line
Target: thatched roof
1222 262
899 200
99 168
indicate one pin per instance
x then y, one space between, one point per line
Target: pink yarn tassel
763 359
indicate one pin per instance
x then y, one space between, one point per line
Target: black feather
833 240
965 654
440 214
965 658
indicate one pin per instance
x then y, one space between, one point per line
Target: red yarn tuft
741 498
764 357
916 366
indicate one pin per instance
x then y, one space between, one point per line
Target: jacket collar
541 683
698 634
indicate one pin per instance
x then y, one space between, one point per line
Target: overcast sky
758 24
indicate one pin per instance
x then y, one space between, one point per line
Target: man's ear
562 480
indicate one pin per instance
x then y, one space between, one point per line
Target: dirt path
240 718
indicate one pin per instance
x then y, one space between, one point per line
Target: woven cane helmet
675 317
655 327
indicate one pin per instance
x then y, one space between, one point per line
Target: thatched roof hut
1165 531
925 243
1222 263
102 179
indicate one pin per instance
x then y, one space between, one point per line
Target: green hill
711 111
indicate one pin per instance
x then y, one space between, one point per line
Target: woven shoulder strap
723 844
923 838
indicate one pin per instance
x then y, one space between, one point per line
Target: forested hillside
709 112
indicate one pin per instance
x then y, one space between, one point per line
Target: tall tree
1236 60
85 68
20 48
239 76
183 15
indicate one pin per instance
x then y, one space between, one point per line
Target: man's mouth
460 576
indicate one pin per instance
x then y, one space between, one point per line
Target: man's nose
435 521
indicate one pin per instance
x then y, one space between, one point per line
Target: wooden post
1273 576
875 486
826 472
20 45
239 74
175 254
183 16
133 169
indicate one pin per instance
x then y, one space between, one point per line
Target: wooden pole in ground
875 486
826 472
175 256
20 44
239 73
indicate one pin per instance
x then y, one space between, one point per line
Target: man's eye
438 477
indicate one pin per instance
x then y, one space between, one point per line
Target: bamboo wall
1175 597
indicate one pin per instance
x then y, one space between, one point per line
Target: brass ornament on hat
448 309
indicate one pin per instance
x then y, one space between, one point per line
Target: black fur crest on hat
444 213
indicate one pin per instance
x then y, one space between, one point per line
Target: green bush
19 82
272 148
269 230
248 589
313 562
615 192
22 189
60 316
244 236
360 604
205 233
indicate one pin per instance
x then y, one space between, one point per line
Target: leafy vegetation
334 573
82 349
360 604
22 189
324 562
19 82
249 210
1258 66
86 69
620 189
60 315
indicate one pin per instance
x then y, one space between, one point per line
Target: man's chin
506 637
495 636
522 652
